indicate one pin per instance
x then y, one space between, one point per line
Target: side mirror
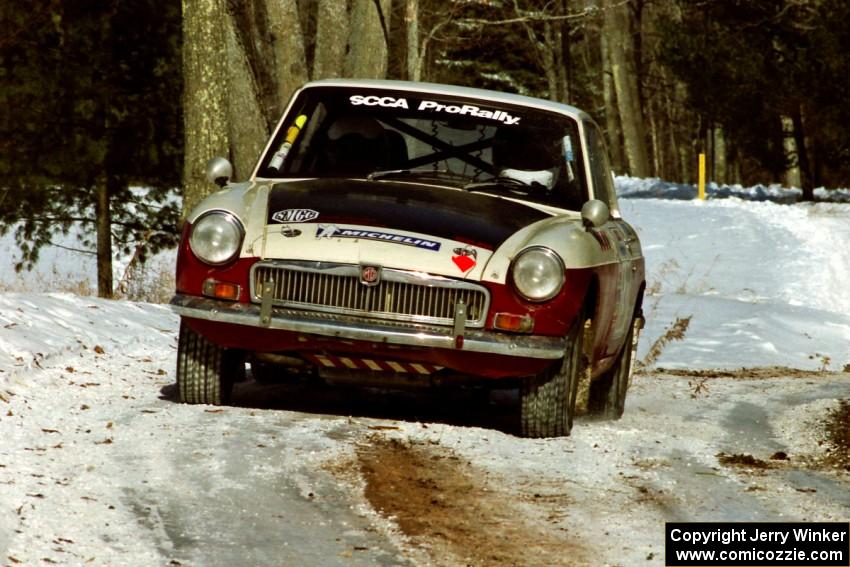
219 171
595 213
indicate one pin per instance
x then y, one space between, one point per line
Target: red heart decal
465 263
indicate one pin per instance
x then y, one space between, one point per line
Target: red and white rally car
418 232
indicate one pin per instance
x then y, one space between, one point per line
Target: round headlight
538 274
216 237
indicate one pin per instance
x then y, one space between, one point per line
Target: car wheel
608 392
205 371
548 400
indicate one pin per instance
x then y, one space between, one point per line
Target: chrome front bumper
360 329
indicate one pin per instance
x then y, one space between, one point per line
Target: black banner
762 544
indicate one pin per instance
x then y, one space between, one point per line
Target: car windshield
480 145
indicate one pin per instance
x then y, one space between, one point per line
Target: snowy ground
100 466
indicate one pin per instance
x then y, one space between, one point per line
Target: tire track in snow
97 468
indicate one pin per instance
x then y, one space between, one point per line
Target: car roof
454 90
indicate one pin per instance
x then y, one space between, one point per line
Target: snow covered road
745 418
99 467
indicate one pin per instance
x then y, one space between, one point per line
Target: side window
600 168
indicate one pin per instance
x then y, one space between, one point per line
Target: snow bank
765 283
34 327
654 188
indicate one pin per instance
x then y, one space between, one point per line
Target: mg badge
370 275
295 215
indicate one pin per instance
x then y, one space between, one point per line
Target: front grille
400 295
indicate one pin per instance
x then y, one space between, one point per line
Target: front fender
577 247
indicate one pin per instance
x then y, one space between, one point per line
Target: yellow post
702 177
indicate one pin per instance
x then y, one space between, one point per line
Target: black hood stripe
474 218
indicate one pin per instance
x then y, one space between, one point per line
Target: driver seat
357 145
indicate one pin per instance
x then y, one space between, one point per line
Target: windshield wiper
505 182
440 173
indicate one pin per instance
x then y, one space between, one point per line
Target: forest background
110 109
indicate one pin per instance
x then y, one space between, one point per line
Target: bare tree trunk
733 169
248 127
367 40
621 47
789 144
663 141
673 167
806 178
811 146
421 70
205 94
686 153
105 181
331 39
708 140
658 97
721 166
547 49
290 58
248 29
612 117
103 221
550 65
686 163
654 128
411 19
566 63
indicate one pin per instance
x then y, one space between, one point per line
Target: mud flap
583 395
637 325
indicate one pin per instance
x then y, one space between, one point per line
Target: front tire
548 400
608 393
205 371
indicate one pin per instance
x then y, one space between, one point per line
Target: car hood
446 213
409 226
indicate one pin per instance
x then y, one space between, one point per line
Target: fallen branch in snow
675 332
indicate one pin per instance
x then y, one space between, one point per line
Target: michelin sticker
333 231
434 106
295 215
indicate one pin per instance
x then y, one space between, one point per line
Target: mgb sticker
295 215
